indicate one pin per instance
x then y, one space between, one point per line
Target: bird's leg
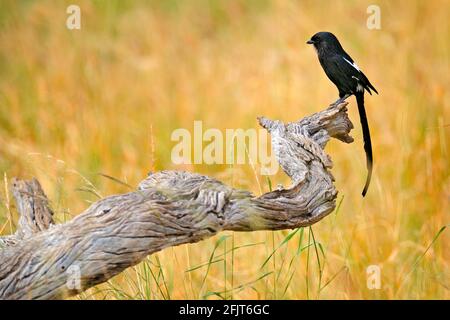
341 99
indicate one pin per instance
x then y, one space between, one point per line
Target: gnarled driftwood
168 208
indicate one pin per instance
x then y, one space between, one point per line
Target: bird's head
324 40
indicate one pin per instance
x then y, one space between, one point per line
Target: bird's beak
310 42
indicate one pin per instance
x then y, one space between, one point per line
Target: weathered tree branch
169 208
35 213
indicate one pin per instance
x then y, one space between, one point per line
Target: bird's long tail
366 136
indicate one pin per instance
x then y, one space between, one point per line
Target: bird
343 71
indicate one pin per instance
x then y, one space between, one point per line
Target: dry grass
105 99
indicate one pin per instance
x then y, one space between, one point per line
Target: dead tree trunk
168 208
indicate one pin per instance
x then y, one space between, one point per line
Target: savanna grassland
77 106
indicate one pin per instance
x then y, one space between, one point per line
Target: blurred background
77 106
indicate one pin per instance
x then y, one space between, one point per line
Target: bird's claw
336 103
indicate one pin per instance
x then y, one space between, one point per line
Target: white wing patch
354 65
359 87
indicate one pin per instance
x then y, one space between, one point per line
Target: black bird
349 79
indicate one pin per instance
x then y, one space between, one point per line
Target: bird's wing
341 72
349 70
356 72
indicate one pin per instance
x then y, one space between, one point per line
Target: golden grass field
106 98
